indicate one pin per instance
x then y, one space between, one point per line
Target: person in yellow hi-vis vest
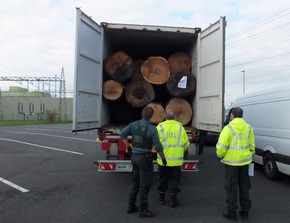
174 140
235 148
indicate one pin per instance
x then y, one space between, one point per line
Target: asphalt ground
47 174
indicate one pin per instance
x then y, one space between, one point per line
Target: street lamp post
244 91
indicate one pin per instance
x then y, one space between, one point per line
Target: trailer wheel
270 168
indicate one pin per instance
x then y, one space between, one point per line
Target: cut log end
155 70
112 90
182 110
179 61
159 113
181 84
139 93
119 66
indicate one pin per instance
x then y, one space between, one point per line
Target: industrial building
22 103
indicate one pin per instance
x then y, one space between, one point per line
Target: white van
268 112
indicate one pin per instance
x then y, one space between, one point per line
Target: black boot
231 215
144 212
244 214
173 200
132 208
162 198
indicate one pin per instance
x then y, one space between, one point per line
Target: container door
209 103
88 73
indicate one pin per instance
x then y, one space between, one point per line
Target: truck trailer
95 42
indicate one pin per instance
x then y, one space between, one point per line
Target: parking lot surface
47 174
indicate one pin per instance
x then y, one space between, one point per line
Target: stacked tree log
156 70
159 113
181 82
156 82
119 66
112 90
139 93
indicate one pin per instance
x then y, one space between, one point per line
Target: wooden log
112 90
137 74
123 112
181 84
139 93
181 108
156 70
179 61
119 66
159 113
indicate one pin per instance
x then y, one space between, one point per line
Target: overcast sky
37 37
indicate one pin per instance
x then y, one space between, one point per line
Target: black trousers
169 177
142 179
237 185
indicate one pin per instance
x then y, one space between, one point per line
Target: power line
258 24
255 73
30 79
228 58
11 68
257 35
253 61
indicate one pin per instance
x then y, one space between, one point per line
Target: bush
51 115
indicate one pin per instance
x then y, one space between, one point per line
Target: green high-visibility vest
174 140
236 144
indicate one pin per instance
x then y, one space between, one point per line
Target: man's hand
164 162
129 149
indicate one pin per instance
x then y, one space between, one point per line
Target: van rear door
209 103
88 73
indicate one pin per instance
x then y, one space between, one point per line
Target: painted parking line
65 137
41 146
49 130
64 130
23 190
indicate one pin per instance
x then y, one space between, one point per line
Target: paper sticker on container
183 82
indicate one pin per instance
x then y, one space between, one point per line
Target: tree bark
137 74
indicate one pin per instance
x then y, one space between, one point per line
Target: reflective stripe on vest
237 161
168 158
177 144
174 151
235 146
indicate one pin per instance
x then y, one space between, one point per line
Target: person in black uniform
202 136
144 136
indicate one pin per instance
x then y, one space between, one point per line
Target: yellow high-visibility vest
175 141
236 144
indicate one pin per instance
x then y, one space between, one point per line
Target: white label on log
182 83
